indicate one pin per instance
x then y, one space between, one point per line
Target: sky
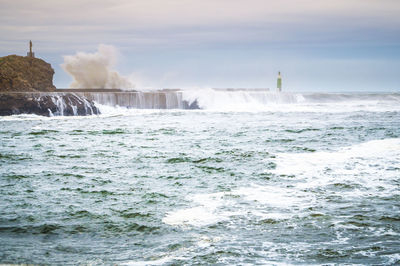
319 45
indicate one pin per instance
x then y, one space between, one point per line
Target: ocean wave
212 100
349 169
246 101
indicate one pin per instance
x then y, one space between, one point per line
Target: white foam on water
21 117
272 215
295 163
197 216
383 232
273 196
206 241
161 261
211 208
205 213
32 117
365 164
107 111
392 259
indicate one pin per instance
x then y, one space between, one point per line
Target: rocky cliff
25 74
46 104
26 87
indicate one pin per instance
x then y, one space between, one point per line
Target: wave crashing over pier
246 100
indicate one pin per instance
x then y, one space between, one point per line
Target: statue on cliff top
30 53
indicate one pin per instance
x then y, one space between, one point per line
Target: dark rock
46 104
191 105
25 74
26 87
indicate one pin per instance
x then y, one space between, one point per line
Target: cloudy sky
327 45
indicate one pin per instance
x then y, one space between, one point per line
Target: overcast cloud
218 42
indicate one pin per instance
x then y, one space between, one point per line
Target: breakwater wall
142 100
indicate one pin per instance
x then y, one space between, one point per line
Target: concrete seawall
160 99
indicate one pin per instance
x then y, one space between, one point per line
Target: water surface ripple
201 187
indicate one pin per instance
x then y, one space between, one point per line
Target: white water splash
249 101
95 70
241 100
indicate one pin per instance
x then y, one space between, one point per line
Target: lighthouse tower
279 82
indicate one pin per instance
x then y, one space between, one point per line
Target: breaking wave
248 101
237 100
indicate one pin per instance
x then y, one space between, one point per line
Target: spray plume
95 70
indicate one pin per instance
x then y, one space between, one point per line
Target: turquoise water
299 184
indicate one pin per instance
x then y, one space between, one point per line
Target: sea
266 179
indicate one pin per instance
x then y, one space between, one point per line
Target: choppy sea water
290 184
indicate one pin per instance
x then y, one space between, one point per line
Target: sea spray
95 70
243 99
225 100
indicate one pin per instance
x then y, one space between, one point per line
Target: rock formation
47 104
26 87
25 74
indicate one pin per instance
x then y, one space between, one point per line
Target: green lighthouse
279 82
